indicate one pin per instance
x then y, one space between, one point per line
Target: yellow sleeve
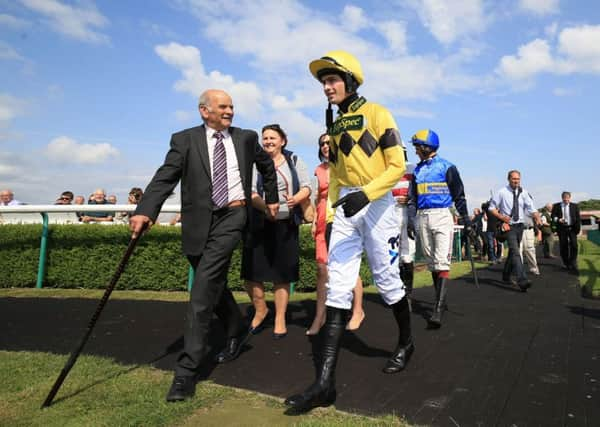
391 144
333 192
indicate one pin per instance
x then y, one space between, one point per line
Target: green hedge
86 256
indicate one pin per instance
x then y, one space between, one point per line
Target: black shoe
524 284
399 359
313 397
255 330
233 348
280 336
183 387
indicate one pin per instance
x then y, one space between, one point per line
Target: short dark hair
275 127
137 193
511 172
565 193
68 194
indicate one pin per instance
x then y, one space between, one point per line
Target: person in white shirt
511 204
7 198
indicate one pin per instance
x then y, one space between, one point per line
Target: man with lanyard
365 162
435 186
510 205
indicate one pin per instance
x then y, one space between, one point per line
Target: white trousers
528 250
407 246
373 229
436 233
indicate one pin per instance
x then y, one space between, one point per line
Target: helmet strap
329 117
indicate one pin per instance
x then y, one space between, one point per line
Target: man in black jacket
566 220
214 164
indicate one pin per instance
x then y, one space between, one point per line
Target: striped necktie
219 179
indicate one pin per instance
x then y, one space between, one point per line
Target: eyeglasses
322 143
65 198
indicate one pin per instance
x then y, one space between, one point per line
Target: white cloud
10 107
395 34
13 22
577 51
68 150
580 47
354 17
8 53
450 21
188 61
297 34
531 59
80 23
539 7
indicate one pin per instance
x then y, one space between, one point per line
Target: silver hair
204 99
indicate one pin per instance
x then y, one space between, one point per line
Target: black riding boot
407 270
405 346
440 305
322 391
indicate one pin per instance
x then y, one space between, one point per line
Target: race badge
394 248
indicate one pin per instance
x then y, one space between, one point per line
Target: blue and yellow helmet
426 137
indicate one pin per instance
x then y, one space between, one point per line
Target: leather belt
235 204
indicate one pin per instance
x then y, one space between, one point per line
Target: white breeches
373 229
436 232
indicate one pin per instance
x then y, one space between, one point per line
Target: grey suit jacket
188 161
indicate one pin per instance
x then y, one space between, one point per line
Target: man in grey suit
214 164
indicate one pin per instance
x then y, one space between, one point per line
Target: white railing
63 214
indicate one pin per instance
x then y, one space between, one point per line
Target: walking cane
92 323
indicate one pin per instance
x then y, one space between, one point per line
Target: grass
422 278
100 392
589 268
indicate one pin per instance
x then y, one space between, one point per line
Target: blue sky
90 91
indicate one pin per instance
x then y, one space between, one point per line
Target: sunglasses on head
274 126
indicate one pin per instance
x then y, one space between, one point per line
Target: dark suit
209 235
567 235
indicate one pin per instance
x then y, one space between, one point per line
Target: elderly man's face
6 196
99 196
218 113
514 180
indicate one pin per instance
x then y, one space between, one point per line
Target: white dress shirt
503 201
235 190
566 213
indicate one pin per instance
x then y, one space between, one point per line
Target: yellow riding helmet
337 61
